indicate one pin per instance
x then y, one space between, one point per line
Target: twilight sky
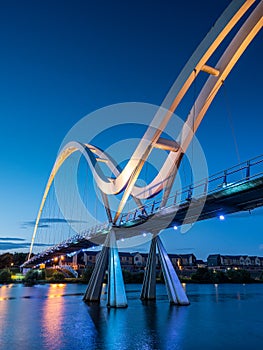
61 60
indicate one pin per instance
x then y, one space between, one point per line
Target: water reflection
115 334
150 325
52 317
11 325
97 314
175 325
216 292
143 325
3 309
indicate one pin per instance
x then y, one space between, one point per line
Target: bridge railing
86 234
225 179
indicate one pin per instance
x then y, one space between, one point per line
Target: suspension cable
231 123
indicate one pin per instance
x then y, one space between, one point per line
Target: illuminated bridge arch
125 179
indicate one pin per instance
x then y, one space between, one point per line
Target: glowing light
144 234
221 217
175 227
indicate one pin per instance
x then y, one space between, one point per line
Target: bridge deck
243 196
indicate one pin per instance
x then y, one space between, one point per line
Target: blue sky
61 60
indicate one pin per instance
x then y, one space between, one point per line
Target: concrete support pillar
175 291
75 260
116 291
108 258
85 258
149 281
93 291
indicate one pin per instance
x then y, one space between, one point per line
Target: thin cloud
10 245
45 222
11 239
186 248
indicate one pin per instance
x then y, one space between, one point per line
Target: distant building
182 260
214 260
256 260
234 261
126 260
139 259
136 260
89 258
200 264
231 260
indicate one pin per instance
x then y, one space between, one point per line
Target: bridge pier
75 260
116 290
93 291
175 291
149 281
108 259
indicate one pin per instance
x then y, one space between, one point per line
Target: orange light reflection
53 313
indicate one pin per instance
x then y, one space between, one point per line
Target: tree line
8 259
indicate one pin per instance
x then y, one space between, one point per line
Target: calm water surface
55 317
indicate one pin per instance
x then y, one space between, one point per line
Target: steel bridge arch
126 178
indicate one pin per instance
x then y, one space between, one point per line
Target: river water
54 317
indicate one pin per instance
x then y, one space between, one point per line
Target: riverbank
201 276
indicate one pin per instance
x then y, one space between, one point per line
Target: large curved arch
196 63
224 66
90 152
125 179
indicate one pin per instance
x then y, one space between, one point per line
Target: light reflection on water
53 313
54 317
